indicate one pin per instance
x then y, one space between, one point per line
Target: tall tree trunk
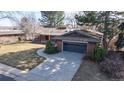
106 29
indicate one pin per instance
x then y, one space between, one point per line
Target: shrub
113 68
19 39
98 54
50 49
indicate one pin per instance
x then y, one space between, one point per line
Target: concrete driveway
57 67
61 66
5 78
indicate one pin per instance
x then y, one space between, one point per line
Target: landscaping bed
113 65
21 56
111 68
90 71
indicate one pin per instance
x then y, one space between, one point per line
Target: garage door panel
74 47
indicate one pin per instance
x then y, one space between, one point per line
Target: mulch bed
113 65
91 71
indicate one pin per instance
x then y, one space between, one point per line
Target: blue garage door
74 47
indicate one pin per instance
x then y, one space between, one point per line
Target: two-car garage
77 41
74 47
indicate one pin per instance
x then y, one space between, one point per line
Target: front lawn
22 56
18 47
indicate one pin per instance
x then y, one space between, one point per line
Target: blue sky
7 22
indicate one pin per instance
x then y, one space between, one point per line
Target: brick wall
90 48
42 38
59 44
8 39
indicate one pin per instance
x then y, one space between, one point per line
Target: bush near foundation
50 49
98 54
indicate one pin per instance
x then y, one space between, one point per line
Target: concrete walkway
57 67
6 78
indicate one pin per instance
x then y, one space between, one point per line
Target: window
46 37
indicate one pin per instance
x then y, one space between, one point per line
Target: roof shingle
11 32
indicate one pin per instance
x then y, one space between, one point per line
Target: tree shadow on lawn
23 60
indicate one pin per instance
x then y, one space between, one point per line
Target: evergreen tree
52 18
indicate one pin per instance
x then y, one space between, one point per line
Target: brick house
10 36
45 34
80 41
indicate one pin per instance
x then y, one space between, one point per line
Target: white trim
72 42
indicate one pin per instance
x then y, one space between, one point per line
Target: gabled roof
92 32
51 31
81 33
59 32
78 35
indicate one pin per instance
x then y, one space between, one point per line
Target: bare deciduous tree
29 25
11 15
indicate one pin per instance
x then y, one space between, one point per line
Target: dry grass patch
22 56
19 47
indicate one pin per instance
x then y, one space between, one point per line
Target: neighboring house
80 41
10 36
45 34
